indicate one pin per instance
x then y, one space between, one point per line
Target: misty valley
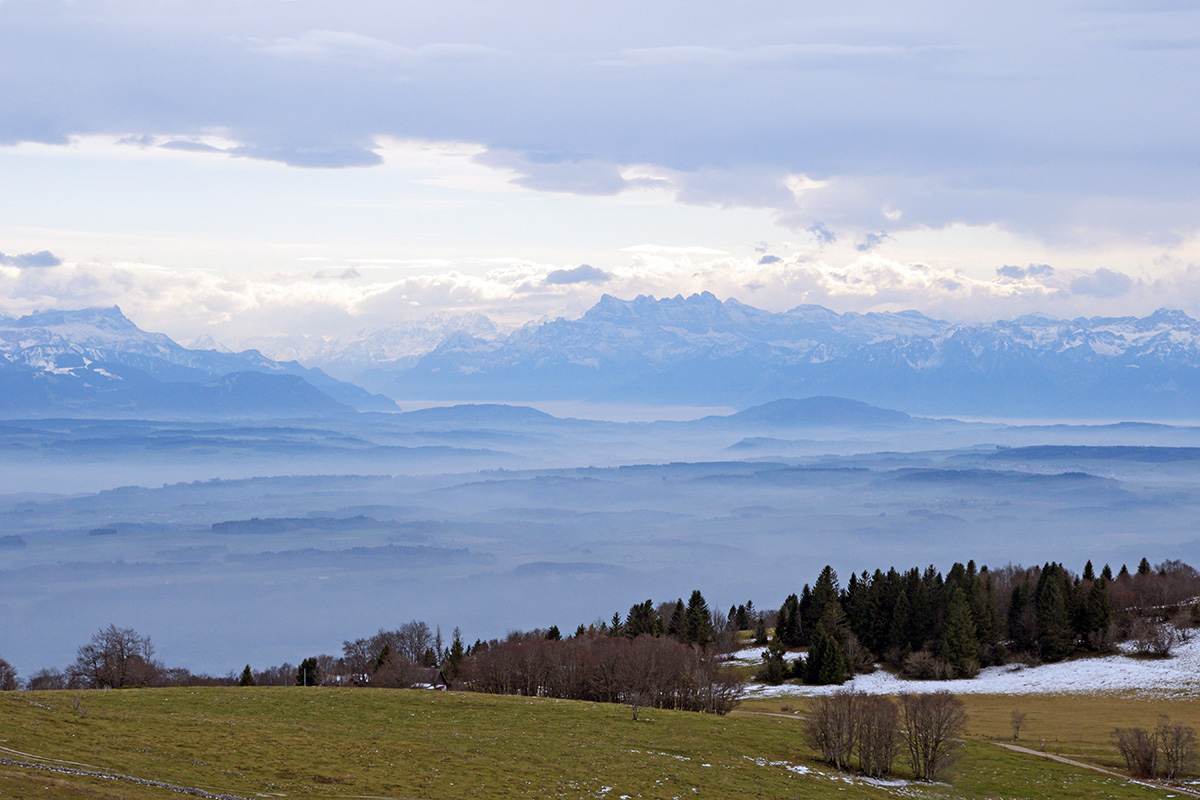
235 542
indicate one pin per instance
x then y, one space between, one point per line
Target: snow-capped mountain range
97 361
691 351
700 350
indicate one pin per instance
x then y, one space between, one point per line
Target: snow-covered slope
97 361
1178 676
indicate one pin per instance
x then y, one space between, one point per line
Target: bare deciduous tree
115 658
1017 719
832 725
1139 748
8 677
1177 745
931 726
878 734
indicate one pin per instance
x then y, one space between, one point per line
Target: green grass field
339 743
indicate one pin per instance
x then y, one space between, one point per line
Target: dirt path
113 776
1064 760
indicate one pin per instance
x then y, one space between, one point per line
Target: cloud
871 241
232 308
822 234
1102 283
584 273
42 258
1031 271
939 126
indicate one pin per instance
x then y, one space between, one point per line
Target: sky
248 168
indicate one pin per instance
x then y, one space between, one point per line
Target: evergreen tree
1124 573
899 632
677 625
1020 623
580 632
1054 635
454 655
643 619
1143 567
741 618
384 656
308 674
808 620
857 605
247 678
775 669
825 591
983 611
825 663
698 620
787 623
1089 573
958 645
1099 613
553 634
1106 573
760 629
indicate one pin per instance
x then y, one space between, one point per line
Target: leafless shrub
1139 748
878 734
665 672
1152 639
1177 747
832 725
924 666
931 724
1017 719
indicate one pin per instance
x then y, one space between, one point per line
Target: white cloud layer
338 300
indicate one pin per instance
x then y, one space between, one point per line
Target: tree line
934 626
921 622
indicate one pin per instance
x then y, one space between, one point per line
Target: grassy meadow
339 743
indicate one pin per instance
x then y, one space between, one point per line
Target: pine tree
760 629
580 632
643 619
787 624
775 669
698 620
553 634
1099 614
455 655
825 664
1054 637
1089 573
958 645
308 674
1143 567
247 678
1106 573
741 619
677 625
899 632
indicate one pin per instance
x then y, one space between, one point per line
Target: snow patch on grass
1175 677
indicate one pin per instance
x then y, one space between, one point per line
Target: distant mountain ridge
95 361
701 350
